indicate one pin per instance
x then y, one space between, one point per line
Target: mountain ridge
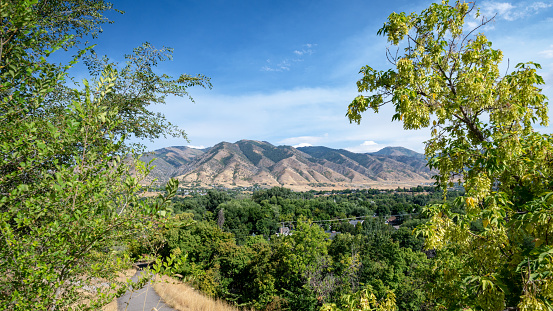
248 163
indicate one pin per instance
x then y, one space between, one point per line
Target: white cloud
284 65
536 6
510 12
472 24
303 141
547 53
302 145
477 22
291 117
366 146
306 50
500 8
196 147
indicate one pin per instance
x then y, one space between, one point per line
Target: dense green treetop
446 77
68 202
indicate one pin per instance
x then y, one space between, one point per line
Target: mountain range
248 162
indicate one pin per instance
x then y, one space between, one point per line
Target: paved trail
144 299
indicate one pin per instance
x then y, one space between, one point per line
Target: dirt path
144 299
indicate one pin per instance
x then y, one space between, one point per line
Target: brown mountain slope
167 160
249 162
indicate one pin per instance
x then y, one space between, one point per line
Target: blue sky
285 71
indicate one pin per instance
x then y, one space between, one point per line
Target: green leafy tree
42 26
245 217
214 258
387 266
363 300
138 87
446 77
261 288
303 266
59 232
67 200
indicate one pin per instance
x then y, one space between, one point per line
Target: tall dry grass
123 276
112 306
184 298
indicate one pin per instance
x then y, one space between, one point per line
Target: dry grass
184 298
112 306
123 276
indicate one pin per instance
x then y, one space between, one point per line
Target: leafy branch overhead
68 201
138 87
445 76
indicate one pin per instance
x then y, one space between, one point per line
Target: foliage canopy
446 77
67 199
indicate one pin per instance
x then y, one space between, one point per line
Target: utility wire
334 220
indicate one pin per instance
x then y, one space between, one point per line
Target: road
144 299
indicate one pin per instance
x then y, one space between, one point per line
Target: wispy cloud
303 141
314 116
511 12
285 64
366 146
547 53
472 24
306 50
281 66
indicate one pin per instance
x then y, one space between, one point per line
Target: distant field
307 187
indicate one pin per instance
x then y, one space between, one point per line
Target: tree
42 26
67 199
304 266
214 257
388 267
60 232
446 77
138 87
363 300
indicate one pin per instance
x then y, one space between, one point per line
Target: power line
335 220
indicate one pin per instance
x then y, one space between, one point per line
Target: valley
250 163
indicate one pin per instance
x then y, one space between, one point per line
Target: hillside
167 160
247 163
397 152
